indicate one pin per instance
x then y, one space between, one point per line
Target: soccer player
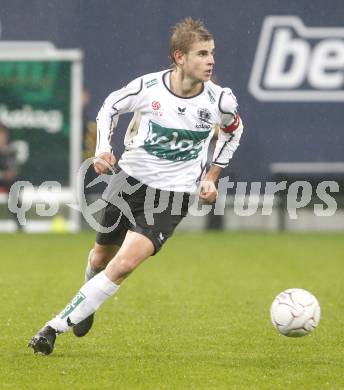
176 112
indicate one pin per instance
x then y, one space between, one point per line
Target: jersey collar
164 78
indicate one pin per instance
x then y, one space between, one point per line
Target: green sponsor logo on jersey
79 297
174 144
150 83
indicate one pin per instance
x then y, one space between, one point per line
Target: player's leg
143 241
105 248
98 259
134 250
107 244
150 238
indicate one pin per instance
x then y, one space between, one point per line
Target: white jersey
167 141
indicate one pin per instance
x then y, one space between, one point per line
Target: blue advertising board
283 60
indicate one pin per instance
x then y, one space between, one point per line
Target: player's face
199 61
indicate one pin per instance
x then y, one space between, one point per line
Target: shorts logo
294 62
156 105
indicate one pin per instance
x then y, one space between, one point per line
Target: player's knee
99 259
125 267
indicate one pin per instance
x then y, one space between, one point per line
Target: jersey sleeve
231 128
118 102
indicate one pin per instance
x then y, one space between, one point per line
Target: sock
91 295
90 272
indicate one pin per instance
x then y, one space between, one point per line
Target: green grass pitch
196 316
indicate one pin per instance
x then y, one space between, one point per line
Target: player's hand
103 162
208 192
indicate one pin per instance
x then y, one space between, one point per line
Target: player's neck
182 85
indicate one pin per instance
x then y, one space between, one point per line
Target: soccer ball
295 312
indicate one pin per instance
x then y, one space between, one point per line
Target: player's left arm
231 128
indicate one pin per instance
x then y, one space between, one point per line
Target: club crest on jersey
204 114
181 111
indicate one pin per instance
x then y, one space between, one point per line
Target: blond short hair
185 33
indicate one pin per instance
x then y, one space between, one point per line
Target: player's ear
178 56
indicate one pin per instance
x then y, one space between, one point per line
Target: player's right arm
118 102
